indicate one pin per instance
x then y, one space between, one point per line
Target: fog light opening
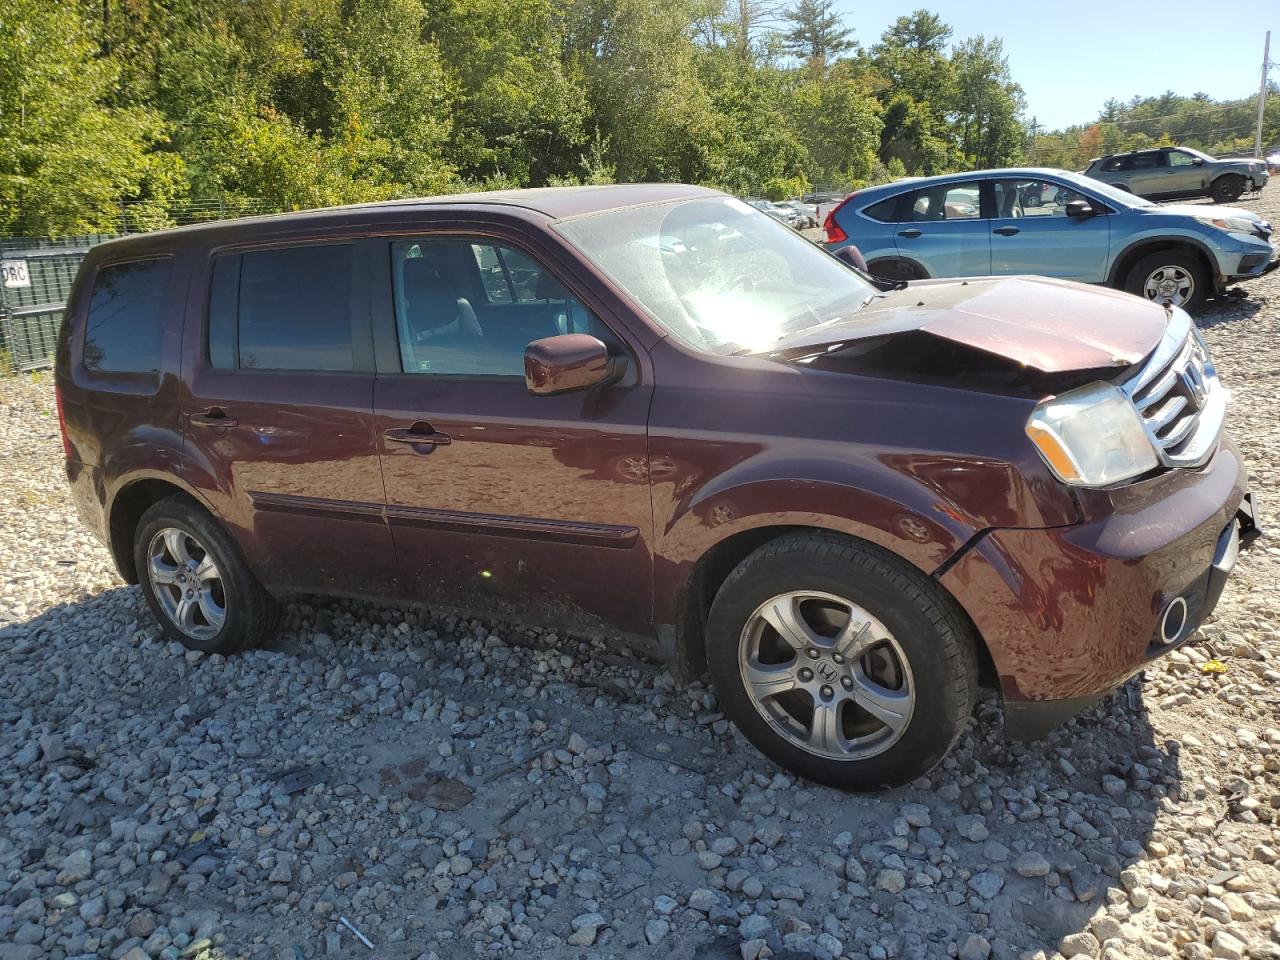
1174 620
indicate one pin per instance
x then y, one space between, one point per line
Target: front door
1145 173
1032 234
946 233
1185 176
279 414
500 501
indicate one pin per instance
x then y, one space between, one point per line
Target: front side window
122 333
719 275
470 308
282 309
954 201
1179 159
1033 198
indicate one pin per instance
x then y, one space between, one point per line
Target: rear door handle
1006 231
419 433
213 417
909 233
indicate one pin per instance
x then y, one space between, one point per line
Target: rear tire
1174 275
886 661
196 583
1227 188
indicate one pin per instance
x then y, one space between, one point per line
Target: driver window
1179 159
469 308
1033 198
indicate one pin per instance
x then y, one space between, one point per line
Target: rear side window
959 201
886 211
123 331
286 309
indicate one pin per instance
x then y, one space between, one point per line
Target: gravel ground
483 789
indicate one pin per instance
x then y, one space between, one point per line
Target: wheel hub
827 675
186 583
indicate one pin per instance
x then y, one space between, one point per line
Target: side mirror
561 364
1197 162
1079 208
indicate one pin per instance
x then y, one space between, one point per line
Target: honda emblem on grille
1193 382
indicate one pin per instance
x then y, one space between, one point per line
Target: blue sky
1070 58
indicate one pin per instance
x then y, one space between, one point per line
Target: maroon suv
653 412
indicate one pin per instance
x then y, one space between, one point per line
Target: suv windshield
716 273
1103 189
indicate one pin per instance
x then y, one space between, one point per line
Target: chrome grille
1179 398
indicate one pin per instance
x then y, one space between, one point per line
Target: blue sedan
1054 224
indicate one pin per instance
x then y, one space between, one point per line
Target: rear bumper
1070 613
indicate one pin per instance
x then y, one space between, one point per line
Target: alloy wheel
826 675
1171 284
187 583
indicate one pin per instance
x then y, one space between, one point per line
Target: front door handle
909 233
419 433
213 417
1006 231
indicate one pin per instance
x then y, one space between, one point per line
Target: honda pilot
655 414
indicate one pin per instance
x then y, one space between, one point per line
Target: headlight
1091 437
1230 224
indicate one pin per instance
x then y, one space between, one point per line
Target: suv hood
1203 210
1053 326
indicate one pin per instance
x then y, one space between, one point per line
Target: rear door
279 414
945 232
522 506
1032 234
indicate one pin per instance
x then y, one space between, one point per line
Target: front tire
1173 276
1227 188
841 662
196 583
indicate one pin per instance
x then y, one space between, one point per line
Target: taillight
835 233
67 450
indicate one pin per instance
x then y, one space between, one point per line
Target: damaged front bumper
1032 719
1070 613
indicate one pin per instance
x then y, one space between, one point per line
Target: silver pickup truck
1170 173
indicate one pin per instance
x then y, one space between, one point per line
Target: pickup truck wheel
841 662
1227 188
1173 276
196 583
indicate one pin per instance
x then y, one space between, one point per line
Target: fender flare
911 261
1114 276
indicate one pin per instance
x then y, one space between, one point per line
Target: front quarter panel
743 443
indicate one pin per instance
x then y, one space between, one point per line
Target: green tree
817 32
647 99
67 157
988 104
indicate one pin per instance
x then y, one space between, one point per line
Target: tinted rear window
123 333
287 309
886 211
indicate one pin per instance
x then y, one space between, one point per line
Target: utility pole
1262 95
1035 129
